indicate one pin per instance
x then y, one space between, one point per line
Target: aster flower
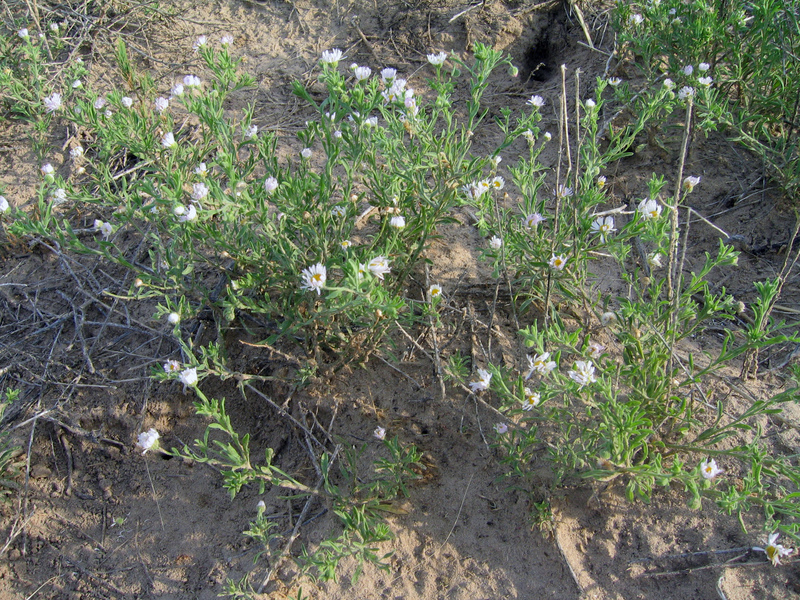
345 244
251 132
607 318
500 428
562 191
4 206
379 266
379 433
590 103
705 81
338 211
709 469
148 440
688 70
558 262
531 399
774 550
484 378
168 141
76 84
498 182
172 366
636 19
201 170
52 103
548 136
100 103
654 260
704 66
331 57
126 101
226 40
669 84
435 291
614 81
173 318
690 182
536 101
371 121
177 90
496 243
199 191
362 73
650 209
306 153
398 222
188 377
601 181
437 59
191 81
271 184
541 365
603 226
582 373
106 229
199 43
59 196
23 33
388 74
532 221
314 278
686 92
47 170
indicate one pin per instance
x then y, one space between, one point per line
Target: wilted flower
536 101
199 43
614 81
398 222
496 242
271 184
603 226
199 191
607 318
541 364
314 278
654 260
636 19
251 132
201 170
100 103
533 220
650 209
379 433
497 160
23 33
437 59
188 376
558 262
148 440
709 469
362 73
484 378
189 215
669 84
595 349
338 211
174 318
47 170
4 206
531 399
331 57
53 102
168 141
172 366
126 101
306 153
690 182
106 229
500 428
774 550
59 196
583 373
435 291
190 81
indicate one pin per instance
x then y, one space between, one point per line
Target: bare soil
102 521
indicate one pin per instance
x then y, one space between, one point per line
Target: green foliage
8 468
